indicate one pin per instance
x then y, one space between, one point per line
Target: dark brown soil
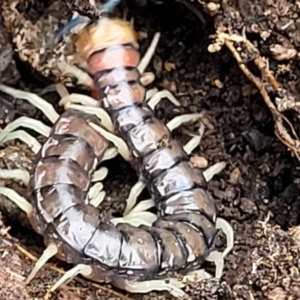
261 178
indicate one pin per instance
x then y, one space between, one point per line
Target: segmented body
33 41
60 183
183 235
61 211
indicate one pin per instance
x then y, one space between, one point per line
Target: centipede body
186 211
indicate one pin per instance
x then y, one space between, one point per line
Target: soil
257 192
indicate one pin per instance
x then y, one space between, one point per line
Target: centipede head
104 33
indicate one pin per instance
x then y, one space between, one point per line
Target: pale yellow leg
117 141
16 174
80 269
144 62
48 253
135 191
26 122
33 99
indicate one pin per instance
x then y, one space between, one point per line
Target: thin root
280 131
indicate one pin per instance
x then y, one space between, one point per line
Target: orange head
105 33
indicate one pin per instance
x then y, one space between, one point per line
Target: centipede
138 252
187 215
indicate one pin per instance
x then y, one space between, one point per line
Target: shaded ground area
261 177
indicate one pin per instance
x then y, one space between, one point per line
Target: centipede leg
100 174
96 195
87 104
183 119
33 99
216 168
195 141
135 191
218 257
26 122
48 253
110 153
82 269
16 174
20 201
138 215
117 141
173 286
158 96
26 138
144 62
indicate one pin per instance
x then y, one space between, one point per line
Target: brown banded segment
113 57
53 201
77 225
149 136
172 256
124 94
162 159
193 200
65 251
50 171
70 147
195 242
37 221
139 251
162 224
116 76
75 123
105 245
180 178
199 221
129 117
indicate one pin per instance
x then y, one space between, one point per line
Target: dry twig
279 119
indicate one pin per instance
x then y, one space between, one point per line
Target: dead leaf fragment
169 66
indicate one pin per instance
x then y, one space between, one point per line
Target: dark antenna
107 7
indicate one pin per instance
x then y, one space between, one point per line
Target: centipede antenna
48 253
16 174
64 30
109 6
